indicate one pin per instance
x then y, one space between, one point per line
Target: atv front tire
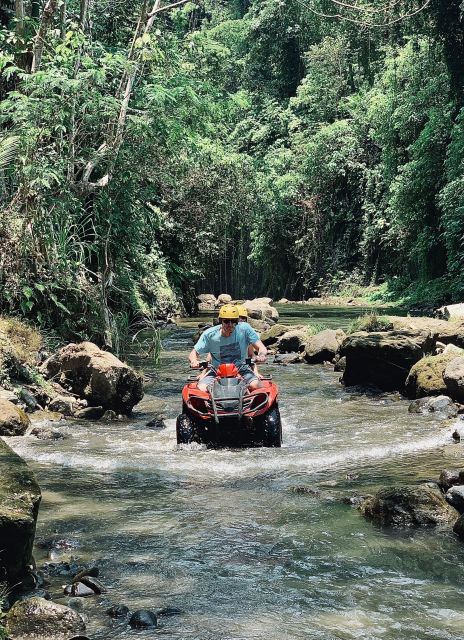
269 430
185 429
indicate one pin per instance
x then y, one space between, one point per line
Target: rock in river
96 375
13 420
143 619
118 611
40 618
426 376
455 497
409 506
443 406
323 346
454 379
19 506
383 359
449 478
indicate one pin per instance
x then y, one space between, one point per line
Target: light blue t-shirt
232 349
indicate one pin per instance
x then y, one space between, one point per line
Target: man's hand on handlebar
198 364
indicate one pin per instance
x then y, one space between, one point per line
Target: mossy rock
39 618
19 506
271 335
409 506
426 376
13 420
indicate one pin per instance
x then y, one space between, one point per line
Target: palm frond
9 147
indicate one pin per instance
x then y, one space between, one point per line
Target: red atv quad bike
227 414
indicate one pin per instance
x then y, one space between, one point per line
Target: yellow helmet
242 311
228 312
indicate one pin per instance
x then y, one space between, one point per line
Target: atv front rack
243 404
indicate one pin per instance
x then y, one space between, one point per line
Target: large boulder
441 330
260 308
292 341
409 506
272 335
454 379
383 359
259 325
95 375
224 298
426 376
39 618
451 311
206 302
323 346
207 298
19 506
13 420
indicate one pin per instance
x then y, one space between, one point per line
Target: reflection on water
224 536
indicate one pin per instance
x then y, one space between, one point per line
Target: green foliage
370 322
265 150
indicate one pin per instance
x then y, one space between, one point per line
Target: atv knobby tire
269 428
185 429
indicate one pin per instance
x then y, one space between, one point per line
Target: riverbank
253 543
189 530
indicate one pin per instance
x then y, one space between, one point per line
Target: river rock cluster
79 380
430 504
419 357
259 309
422 358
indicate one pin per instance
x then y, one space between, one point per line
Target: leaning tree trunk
45 24
108 150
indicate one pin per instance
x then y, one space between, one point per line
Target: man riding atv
228 342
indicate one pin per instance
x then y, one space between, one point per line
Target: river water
254 544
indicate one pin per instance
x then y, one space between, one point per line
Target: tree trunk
110 148
84 14
19 14
45 23
63 20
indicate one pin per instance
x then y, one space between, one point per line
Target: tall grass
370 322
140 336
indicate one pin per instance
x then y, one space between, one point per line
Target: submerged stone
143 619
408 506
118 611
169 611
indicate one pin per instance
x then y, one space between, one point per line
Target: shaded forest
149 152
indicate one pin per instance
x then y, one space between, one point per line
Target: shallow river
224 536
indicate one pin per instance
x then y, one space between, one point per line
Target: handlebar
204 364
201 365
